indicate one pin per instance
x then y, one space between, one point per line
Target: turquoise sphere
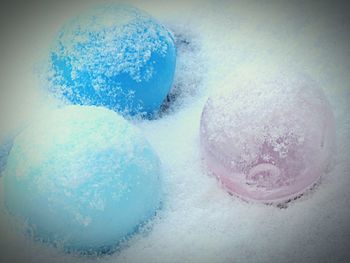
82 178
114 56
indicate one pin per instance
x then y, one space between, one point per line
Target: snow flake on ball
82 178
114 56
268 140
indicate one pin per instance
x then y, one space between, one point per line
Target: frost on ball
114 56
82 178
268 140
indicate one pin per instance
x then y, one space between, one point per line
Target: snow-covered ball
114 56
82 178
270 139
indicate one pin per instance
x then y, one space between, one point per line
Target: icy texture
83 178
268 140
5 148
115 56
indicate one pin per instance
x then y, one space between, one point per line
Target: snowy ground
200 222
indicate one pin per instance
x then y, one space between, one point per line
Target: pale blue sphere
82 178
114 56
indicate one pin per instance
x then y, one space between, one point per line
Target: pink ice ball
268 140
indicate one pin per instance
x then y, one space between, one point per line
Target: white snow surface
217 40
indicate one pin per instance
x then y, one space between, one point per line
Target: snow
200 222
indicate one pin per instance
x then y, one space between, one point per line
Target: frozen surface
200 222
114 56
79 172
268 138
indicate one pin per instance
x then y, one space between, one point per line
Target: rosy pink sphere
268 140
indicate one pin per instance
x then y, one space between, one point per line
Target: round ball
114 56
82 178
268 140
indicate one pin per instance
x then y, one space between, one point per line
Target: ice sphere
114 56
268 140
82 178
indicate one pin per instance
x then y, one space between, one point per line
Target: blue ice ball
83 178
114 56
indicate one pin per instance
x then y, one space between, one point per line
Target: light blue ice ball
114 56
82 178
